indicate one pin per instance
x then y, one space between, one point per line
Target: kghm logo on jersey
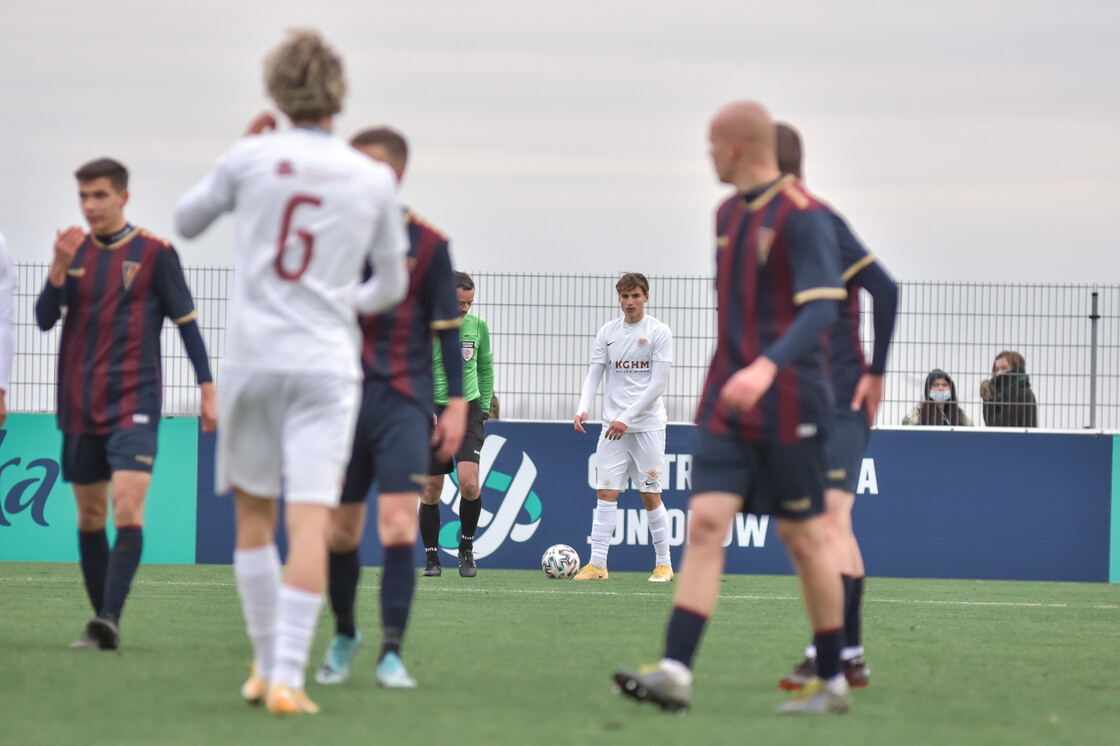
518 515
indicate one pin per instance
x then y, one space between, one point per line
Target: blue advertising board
982 504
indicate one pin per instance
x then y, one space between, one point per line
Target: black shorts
785 480
472 441
390 444
87 459
847 442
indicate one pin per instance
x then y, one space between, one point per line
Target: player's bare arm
869 392
263 122
208 409
451 426
743 390
65 247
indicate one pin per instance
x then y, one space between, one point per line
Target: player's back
307 208
397 345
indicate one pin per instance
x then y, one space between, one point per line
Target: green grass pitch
511 657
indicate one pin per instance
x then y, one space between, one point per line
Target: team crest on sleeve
765 241
642 342
129 270
468 350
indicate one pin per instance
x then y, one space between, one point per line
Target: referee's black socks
469 512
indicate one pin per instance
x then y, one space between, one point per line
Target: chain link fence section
35 365
542 327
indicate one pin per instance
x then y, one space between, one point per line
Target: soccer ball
560 561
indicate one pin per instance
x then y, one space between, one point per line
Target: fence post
1094 316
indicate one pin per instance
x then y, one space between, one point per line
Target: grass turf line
512 657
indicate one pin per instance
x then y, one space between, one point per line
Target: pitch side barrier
932 502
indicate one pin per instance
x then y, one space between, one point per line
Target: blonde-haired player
634 353
309 210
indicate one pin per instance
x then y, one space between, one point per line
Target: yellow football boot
283 700
591 572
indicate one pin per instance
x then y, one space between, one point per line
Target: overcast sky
967 141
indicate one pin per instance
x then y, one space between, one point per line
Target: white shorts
289 432
637 456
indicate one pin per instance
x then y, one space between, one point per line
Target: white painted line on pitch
559 592
738 597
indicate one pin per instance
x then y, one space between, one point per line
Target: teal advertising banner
38 518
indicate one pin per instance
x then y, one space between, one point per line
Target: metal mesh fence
35 366
542 328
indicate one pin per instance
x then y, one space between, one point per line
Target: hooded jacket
929 412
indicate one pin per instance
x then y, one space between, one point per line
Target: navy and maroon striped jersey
116 297
858 269
776 250
846 360
397 345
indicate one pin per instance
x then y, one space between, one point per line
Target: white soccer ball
560 561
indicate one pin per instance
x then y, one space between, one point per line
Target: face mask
940 396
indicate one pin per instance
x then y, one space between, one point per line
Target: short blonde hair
304 77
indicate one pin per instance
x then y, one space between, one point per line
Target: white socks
606 517
258 583
295 630
659 532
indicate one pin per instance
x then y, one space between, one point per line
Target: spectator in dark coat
1008 398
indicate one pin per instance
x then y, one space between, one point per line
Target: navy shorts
845 446
472 441
785 480
390 444
87 459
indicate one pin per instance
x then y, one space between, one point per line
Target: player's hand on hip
869 392
208 411
746 386
450 428
263 122
616 430
580 419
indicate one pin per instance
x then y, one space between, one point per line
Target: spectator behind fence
1008 398
939 403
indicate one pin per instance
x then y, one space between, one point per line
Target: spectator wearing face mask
939 405
1008 398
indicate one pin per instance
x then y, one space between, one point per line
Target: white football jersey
309 211
628 351
7 313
